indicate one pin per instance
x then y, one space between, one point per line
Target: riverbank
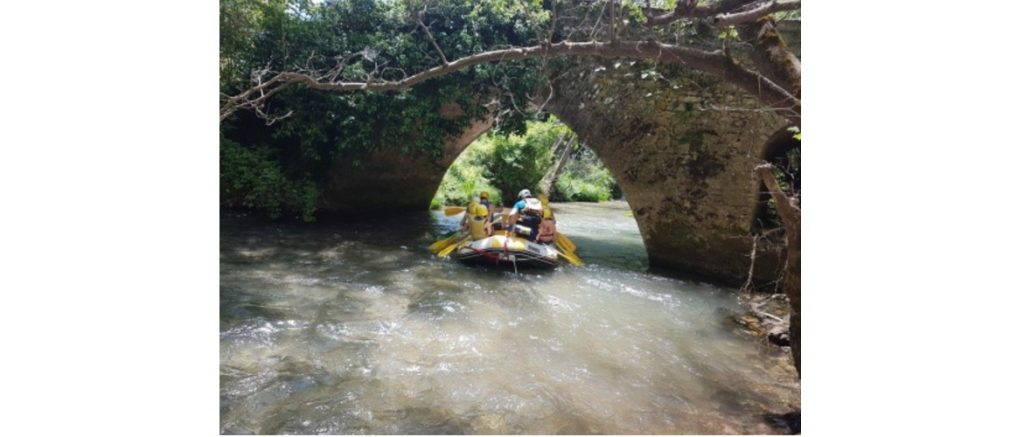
766 318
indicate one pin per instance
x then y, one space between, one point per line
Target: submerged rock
789 421
779 336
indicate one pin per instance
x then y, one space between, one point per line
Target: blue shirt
519 207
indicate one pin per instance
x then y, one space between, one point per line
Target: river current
356 328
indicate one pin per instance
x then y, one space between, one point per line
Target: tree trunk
549 179
789 211
771 56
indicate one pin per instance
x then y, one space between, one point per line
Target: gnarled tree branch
771 56
712 62
789 211
430 36
754 12
724 13
683 9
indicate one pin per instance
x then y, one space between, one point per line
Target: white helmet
524 194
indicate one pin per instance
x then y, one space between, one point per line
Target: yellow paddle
442 243
566 244
453 210
444 252
572 258
561 247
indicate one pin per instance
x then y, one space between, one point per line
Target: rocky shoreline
766 319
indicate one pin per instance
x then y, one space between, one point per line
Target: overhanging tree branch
683 9
788 208
755 12
771 56
419 21
789 211
724 13
714 62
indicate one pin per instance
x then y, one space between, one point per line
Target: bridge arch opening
553 160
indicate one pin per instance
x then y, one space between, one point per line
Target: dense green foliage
381 40
503 165
465 178
250 178
584 179
500 164
520 161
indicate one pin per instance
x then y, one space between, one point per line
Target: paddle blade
565 242
444 252
573 259
442 243
453 210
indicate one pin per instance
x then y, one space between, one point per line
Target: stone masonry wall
680 144
684 168
389 180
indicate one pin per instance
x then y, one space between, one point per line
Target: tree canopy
569 28
304 130
404 61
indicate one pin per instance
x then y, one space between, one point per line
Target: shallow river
355 328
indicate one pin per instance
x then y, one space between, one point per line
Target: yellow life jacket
477 220
477 210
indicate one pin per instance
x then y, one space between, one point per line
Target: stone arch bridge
681 146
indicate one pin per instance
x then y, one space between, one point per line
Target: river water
355 328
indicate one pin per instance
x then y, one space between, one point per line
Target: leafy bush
463 181
584 179
465 178
252 178
500 164
582 191
503 165
520 161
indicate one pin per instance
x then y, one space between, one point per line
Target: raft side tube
493 250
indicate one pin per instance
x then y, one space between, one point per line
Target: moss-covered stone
680 144
681 147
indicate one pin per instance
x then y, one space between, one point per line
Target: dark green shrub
520 162
251 178
584 179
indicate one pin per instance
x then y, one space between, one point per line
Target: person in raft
528 211
475 219
547 231
498 216
485 200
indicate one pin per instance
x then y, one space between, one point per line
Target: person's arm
487 220
510 227
465 216
513 218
